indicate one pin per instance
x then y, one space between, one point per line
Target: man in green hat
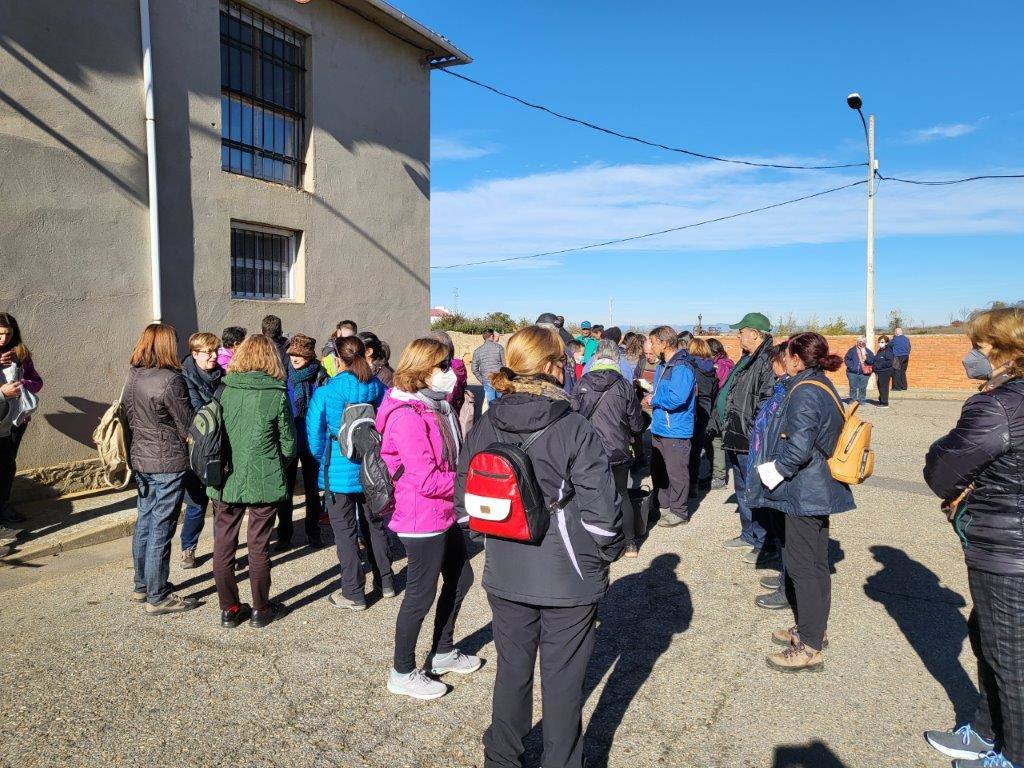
749 385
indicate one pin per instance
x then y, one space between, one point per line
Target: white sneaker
454 661
416 684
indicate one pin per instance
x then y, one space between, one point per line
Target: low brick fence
935 361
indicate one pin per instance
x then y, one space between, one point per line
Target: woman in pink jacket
421 441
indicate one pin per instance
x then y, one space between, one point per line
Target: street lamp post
855 102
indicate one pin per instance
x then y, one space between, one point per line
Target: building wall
74 239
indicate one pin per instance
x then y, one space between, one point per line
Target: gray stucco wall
74 234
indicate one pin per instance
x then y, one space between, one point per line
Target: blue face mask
977 366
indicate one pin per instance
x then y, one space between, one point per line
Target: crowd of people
622 431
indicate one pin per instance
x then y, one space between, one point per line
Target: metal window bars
263 76
261 263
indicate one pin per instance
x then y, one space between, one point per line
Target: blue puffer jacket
675 398
323 419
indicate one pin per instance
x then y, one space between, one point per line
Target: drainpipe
154 219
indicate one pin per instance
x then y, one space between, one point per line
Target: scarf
300 387
540 384
451 433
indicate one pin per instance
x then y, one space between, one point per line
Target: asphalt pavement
678 677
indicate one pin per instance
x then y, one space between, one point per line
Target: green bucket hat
754 320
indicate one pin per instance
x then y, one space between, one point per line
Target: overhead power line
646 142
653 234
947 182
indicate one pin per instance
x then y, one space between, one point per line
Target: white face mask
443 381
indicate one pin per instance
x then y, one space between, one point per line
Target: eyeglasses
207 352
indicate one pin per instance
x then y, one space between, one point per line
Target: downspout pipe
154 218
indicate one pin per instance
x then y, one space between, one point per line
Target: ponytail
352 352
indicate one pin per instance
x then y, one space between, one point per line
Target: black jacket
610 404
750 384
986 447
159 415
885 360
800 438
201 384
570 566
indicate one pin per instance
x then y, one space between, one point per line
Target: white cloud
936 132
562 209
453 148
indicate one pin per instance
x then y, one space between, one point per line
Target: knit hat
302 346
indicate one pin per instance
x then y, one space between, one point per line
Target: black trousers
996 630
343 509
670 474
899 379
806 559
432 557
8 467
883 379
621 475
564 637
285 528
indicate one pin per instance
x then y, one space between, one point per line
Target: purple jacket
723 367
425 493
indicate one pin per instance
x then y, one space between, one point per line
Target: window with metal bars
261 262
262 96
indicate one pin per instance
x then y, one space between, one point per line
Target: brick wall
935 361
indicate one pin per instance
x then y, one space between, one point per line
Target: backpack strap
598 403
819 385
530 440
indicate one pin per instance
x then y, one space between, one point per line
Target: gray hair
607 350
445 339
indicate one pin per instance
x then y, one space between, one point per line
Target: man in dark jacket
901 356
673 402
202 377
608 400
749 385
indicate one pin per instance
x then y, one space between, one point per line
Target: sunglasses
444 365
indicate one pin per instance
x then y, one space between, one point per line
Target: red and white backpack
503 497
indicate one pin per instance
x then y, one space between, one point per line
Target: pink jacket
425 493
723 367
224 356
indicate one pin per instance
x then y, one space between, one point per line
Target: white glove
770 476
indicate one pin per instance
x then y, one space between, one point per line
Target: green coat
261 433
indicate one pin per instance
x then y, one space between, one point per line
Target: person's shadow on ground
639 617
813 755
928 615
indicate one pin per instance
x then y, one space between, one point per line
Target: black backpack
209 454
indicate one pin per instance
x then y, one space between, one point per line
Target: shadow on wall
813 755
928 614
78 424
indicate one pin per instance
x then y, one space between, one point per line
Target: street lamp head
854 101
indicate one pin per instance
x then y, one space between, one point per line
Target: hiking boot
718 484
173 603
963 742
416 684
188 558
139 595
791 636
387 586
338 600
235 615
632 550
454 661
797 658
988 760
773 601
669 519
738 543
772 582
272 612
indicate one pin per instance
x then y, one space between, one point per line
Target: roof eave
439 52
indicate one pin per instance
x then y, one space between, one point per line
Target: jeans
159 504
195 511
490 393
752 522
858 386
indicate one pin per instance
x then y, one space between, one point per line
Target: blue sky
764 81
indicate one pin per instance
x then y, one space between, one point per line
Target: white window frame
292 238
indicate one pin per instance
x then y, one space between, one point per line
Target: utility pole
610 304
869 315
455 300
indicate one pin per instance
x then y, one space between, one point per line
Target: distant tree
897 319
786 325
835 326
812 324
